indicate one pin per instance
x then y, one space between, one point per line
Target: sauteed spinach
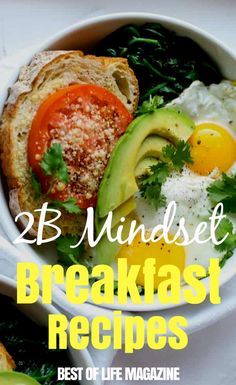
164 63
26 342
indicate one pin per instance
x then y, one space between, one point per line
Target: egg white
215 103
189 192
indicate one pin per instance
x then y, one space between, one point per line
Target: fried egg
213 109
189 192
213 149
164 253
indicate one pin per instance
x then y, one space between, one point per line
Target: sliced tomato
87 121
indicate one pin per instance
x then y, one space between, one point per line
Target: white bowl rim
135 15
228 271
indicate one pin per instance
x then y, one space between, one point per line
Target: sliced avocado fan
138 149
143 167
119 183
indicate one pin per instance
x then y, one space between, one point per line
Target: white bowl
39 312
84 35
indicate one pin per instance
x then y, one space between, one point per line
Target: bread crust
31 78
6 361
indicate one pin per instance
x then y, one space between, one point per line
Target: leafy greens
31 355
164 63
224 190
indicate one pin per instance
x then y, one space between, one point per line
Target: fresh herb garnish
152 194
69 256
226 228
224 190
53 163
70 205
178 155
150 105
158 175
225 258
35 184
150 185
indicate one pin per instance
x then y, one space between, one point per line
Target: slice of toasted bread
6 361
48 72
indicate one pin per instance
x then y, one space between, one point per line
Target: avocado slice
143 167
119 183
121 211
15 378
151 147
106 250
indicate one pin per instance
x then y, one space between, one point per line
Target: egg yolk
164 254
212 146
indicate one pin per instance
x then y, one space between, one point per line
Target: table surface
211 353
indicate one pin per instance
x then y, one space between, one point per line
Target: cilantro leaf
69 205
67 255
150 105
159 174
225 258
226 227
153 195
224 190
178 155
53 163
150 185
35 184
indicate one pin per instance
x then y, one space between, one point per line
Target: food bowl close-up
178 104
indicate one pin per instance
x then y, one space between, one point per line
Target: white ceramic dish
38 312
84 35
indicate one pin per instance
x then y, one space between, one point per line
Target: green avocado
151 147
119 183
15 378
106 251
121 211
149 152
143 141
143 167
